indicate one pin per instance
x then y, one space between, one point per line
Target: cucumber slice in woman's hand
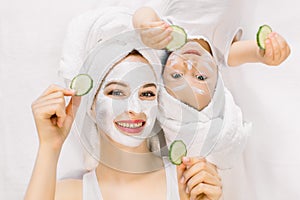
262 35
177 151
179 38
82 84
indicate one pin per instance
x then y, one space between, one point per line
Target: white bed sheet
31 36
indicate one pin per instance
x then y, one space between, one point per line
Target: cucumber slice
177 151
82 83
262 35
179 38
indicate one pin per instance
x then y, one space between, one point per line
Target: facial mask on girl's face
135 75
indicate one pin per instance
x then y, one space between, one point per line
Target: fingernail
73 91
187 190
182 180
185 159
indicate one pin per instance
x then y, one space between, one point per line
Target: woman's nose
134 105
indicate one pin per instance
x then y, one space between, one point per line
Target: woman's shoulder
69 189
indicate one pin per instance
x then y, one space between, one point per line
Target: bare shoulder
69 189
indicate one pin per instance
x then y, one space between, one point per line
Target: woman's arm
53 122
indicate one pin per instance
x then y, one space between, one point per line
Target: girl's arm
144 16
277 50
154 32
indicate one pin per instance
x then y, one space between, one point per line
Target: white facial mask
135 75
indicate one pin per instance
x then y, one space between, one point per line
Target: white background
31 38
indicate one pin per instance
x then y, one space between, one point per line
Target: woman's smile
130 127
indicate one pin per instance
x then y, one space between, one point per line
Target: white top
91 189
210 19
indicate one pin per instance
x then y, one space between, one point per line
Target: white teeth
130 125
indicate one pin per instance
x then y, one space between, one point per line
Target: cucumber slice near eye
82 83
177 151
262 35
179 38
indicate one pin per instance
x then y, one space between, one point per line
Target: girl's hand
277 50
156 35
200 178
52 118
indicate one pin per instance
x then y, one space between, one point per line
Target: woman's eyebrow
116 83
149 85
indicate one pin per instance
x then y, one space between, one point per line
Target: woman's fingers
211 192
203 177
71 111
196 165
55 88
51 105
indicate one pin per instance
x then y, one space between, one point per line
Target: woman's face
190 75
126 105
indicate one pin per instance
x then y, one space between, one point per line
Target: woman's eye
176 75
201 77
116 93
148 94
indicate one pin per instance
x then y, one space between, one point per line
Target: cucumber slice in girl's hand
262 35
177 151
179 38
82 83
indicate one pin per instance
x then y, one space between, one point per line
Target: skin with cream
128 104
190 75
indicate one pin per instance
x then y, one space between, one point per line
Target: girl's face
190 75
126 105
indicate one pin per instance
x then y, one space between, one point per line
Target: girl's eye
176 75
148 94
201 77
116 93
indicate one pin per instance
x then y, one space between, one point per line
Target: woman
121 109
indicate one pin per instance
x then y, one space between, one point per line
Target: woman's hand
277 50
53 119
200 179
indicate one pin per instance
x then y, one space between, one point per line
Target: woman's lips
195 52
130 126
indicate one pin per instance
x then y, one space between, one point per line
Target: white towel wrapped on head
86 30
